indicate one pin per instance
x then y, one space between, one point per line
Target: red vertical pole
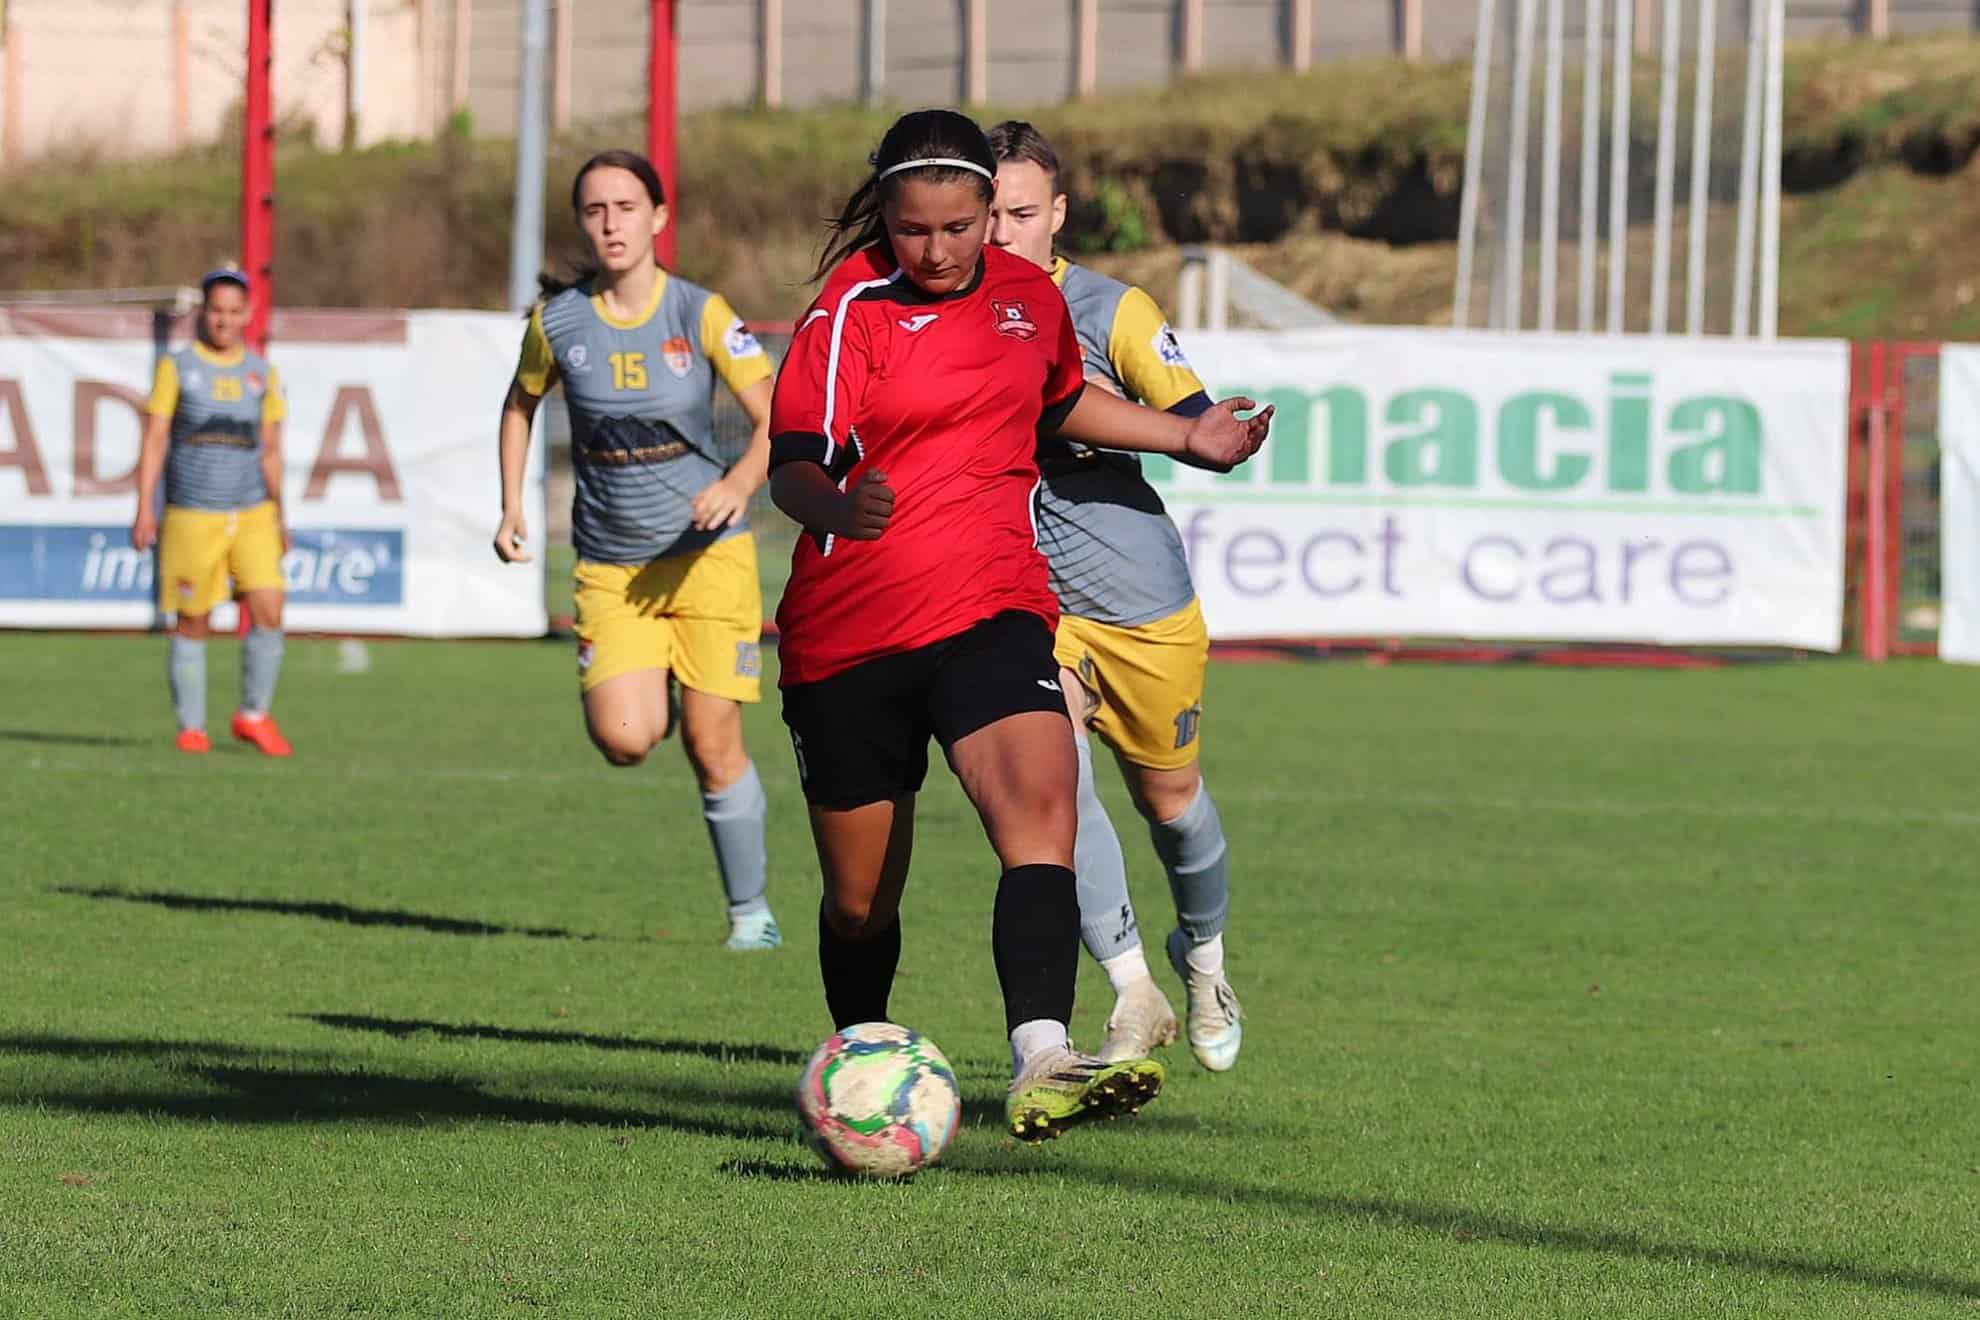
1876 520
257 187
258 174
662 61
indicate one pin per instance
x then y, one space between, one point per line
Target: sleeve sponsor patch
739 342
1169 348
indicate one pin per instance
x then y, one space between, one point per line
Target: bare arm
722 502
518 412
151 462
1217 438
271 475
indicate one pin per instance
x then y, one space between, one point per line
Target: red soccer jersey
947 395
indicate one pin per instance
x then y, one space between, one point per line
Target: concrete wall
131 77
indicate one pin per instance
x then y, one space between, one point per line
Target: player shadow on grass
343 913
986 1109
1457 1222
55 738
720 1051
215 1082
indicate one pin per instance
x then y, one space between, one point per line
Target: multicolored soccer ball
879 1100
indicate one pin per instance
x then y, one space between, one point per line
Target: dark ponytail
583 272
920 135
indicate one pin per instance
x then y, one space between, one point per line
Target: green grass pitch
1569 994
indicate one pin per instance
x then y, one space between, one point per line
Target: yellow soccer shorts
1148 679
199 549
699 614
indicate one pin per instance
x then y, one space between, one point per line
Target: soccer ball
878 1100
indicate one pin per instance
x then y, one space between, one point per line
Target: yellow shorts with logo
199 549
699 614
1148 679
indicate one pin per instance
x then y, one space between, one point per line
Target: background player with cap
666 572
213 427
1131 641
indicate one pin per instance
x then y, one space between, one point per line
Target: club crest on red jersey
679 355
1012 319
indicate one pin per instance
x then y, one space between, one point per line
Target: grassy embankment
1343 184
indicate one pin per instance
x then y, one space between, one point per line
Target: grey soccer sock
1193 852
1106 914
735 826
187 671
261 665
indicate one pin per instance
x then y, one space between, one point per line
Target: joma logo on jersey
1012 319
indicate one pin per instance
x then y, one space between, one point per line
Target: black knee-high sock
859 974
1035 936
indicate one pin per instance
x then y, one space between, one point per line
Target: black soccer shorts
861 735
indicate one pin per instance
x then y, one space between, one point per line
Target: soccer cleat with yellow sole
1061 1088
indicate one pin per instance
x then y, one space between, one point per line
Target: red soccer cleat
261 731
194 740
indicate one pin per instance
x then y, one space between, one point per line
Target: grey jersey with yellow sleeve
1114 555
217 403
641 396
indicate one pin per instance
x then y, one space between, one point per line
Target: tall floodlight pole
1474 164
1619 80
526 238
876 51
1770 175
354 61
1667 108
1514 239
661 140
258 173
1550 166
1701 167
1749 169
1591 146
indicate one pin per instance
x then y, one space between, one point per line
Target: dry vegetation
1344 184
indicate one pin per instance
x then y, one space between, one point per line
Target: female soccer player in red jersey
904 437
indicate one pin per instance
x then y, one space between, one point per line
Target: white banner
1549 487
1959 507
389 481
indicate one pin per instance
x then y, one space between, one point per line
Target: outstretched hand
1222 439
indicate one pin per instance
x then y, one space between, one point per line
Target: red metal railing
1876 505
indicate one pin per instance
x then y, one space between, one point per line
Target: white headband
948 162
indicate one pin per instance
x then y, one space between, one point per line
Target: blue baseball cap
225 275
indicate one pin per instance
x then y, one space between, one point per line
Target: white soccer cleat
753 930
1215 1027
1141 1022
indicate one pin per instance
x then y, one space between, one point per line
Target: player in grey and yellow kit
213 428
1131 643
666 571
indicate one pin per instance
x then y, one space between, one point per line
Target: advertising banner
389 482
1547 487
1959 507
